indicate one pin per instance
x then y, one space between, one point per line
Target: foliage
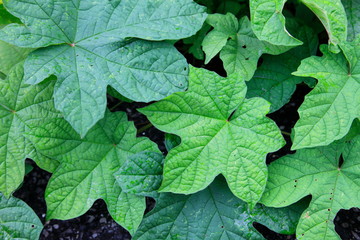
59 59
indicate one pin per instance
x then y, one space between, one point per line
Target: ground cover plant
212 77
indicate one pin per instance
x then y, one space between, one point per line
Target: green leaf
141 174
221 133
18 220
239 48
273 80
89 52
87 167
171 141
329 110
21 106
214 213
352 8
268 22
317 172
225 26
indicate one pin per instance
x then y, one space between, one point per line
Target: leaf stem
116 105
144 128
286 133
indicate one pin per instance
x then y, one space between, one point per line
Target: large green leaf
273 80
89 52
18 220
239 48
329 110
21 105
221 133
87 167
352 8
268 22
214 213
318 172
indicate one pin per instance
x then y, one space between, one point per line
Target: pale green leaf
214 213
221 133
329 110
21 105
18 220
141 174
269 24
317 172
87 167
352 8
89 50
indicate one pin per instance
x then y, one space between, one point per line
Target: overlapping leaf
273 80
214 213
268 22
317 172
329 110
87 167
239 48
21 105
18 220
221 133
89 52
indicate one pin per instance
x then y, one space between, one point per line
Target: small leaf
86 49
221 133
18 220
317 172
141 174
329 110
214 213
87 167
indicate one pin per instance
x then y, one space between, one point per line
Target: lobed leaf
221 133
318 172
88 165
329 110
86 49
